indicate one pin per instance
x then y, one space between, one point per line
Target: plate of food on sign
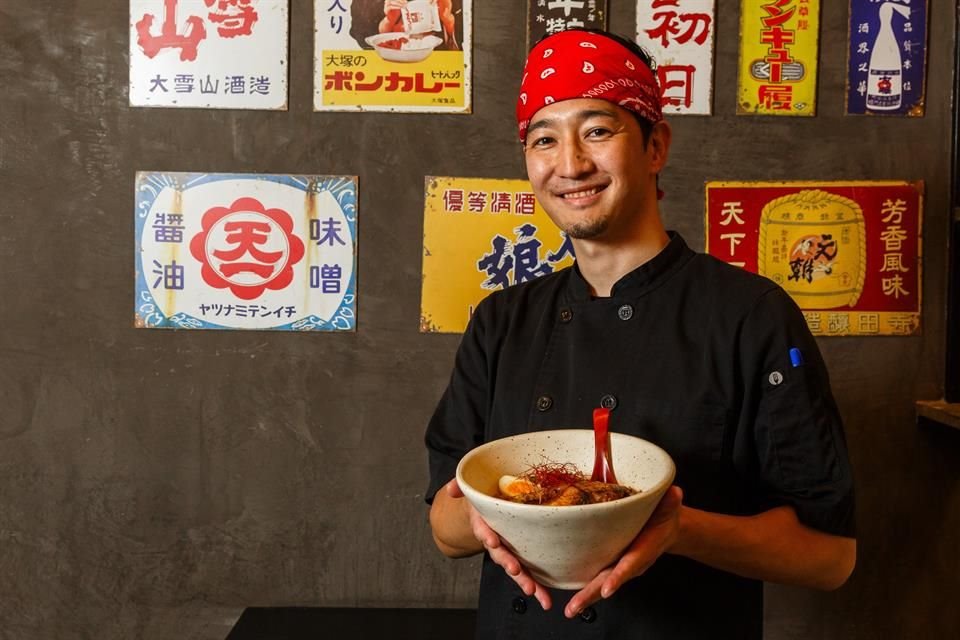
410 35
404 47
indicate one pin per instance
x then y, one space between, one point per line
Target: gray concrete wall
153 483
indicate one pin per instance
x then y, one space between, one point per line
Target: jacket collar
644 278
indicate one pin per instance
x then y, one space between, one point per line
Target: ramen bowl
403 47
565 546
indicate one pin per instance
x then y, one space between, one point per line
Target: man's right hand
498 551
459 531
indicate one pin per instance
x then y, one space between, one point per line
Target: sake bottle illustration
885 71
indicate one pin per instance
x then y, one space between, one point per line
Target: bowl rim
660 486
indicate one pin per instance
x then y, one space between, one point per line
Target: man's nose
574 160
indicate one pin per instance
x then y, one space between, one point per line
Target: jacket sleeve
459 421
798 431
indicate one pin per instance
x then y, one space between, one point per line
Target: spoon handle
602 462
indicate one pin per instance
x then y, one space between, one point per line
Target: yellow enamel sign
363 78
481 235
396 55
778 57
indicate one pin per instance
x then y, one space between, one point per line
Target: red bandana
582 64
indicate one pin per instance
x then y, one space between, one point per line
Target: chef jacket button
544 403
625 312
588 615
519 605
608 402
566 315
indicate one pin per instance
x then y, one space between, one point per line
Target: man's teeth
582 194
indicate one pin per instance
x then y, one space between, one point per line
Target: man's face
590 169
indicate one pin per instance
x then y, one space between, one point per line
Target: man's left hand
657 536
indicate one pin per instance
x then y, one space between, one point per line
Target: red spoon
602 462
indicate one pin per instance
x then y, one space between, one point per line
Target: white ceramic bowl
566 547
416 49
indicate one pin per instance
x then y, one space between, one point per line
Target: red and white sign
231 248
679 36
246 251
225 54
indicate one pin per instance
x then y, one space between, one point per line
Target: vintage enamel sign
546 17
481 235
219 54
372 56
887 57
848 253
679 35
246 251
778 57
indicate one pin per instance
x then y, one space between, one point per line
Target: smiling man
714 364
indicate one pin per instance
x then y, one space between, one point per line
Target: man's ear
659 145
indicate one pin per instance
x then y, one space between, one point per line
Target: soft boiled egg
512 486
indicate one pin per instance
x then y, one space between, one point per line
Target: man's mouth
582 193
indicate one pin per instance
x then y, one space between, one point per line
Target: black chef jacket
694 355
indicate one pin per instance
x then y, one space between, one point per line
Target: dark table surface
301 623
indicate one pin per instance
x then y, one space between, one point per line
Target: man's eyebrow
586 114
580 116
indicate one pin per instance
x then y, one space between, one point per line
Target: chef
714 364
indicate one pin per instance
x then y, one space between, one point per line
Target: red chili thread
553 474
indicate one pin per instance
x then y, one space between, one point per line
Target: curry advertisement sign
479 236
241 251
392 55
848 253
225 54
778 57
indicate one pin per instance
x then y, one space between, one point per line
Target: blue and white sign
246 251
887 58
